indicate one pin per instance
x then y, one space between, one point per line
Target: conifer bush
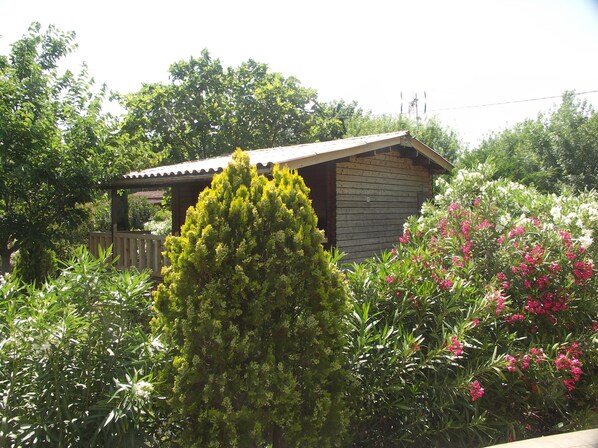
254 311
481 326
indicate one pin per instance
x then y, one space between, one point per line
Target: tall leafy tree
555 151
206 110
55 145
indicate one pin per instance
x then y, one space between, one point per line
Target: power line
509 102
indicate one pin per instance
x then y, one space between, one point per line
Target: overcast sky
461 53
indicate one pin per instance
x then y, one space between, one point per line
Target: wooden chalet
362 190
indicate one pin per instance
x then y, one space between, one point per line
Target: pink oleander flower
445 284
510 320
525 362
569 384
466 249
500 305
457 261
504 280
511 363
538 354
442 226
405 238
516 231
474 323
456 348
465 228
565 237
567 361
549 303
476 390
554 268
485 224
582 271
497 297
453 207
476 202
543 282
577 372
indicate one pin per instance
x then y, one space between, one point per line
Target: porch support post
175 208
331 203
119 210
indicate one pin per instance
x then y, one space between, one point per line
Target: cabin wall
320 181
184 195
374 196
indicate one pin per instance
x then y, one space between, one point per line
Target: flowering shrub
76 360
480 326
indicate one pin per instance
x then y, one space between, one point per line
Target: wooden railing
132 249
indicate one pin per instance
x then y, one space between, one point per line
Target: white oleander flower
586 240
142 389
556 213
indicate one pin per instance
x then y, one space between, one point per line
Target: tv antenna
414 105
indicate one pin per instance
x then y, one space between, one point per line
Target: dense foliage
207 110
76 361
482 325
555 151
55 145
254 311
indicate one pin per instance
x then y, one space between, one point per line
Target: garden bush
76 359
255 313
481 326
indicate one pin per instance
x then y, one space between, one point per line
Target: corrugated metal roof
295 156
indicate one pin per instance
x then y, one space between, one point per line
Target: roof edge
431 154
161 176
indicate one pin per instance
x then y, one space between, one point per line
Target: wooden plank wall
374 196
184 195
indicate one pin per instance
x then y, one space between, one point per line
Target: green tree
431 132
254 311
207 110
555 151
55 145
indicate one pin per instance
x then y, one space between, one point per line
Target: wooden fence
132 249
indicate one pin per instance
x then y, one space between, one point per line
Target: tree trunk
278 438
5 253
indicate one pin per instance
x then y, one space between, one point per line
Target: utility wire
509 102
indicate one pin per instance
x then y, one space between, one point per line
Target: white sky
460 52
